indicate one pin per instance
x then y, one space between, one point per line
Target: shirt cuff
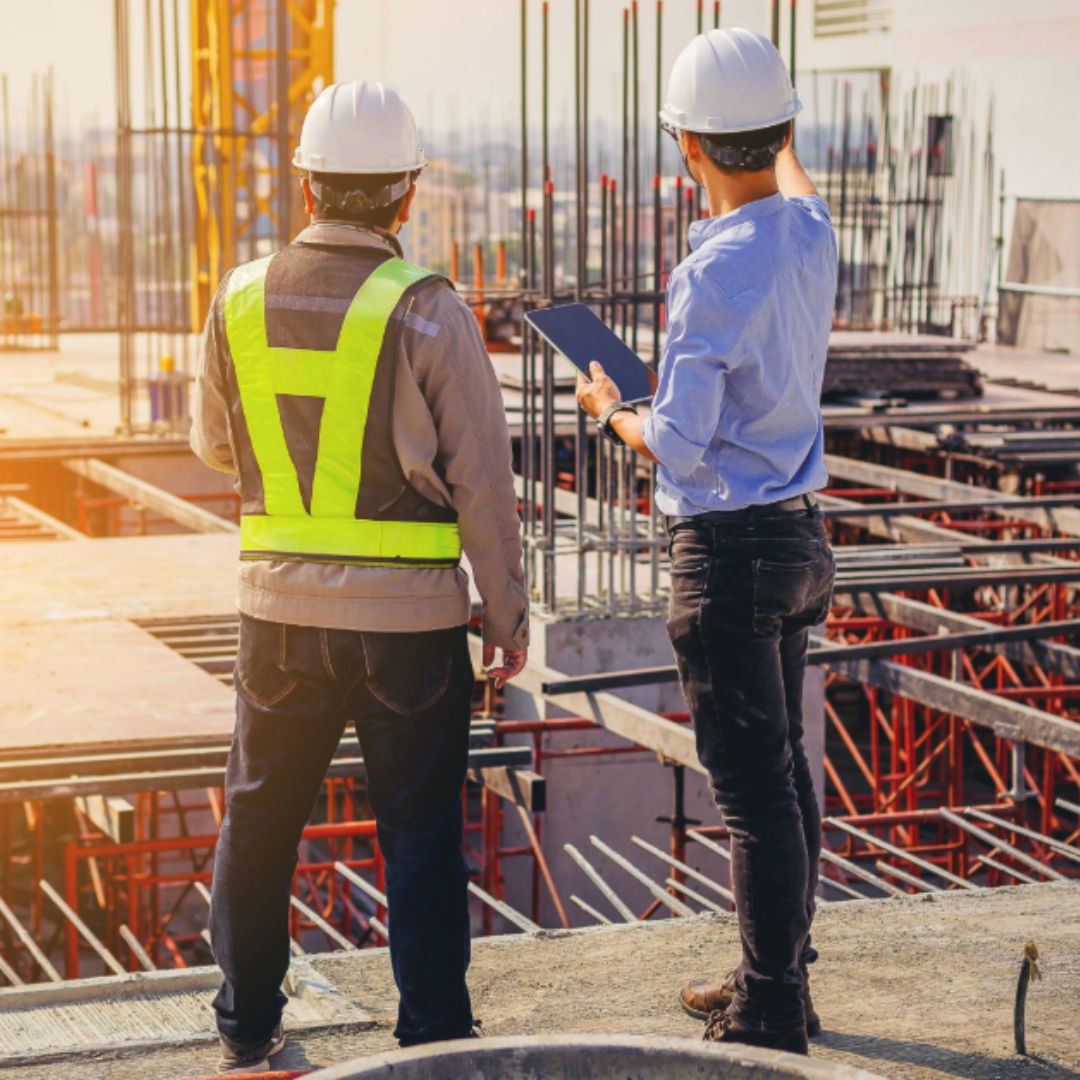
678 455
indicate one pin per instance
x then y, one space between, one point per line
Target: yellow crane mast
249 97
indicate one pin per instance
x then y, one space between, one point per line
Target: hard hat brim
303 164
678 119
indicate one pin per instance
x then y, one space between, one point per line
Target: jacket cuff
513 636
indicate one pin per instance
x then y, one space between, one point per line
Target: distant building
1026 55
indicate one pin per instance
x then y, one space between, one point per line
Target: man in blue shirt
736 429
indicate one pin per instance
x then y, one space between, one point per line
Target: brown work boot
702 997
722 1028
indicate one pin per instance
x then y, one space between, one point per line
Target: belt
747 514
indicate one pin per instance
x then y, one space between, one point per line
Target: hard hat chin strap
358 200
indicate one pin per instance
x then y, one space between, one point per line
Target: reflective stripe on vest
344 378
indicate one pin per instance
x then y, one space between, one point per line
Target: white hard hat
359 127
728 81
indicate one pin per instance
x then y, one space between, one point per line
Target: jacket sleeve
462 391
210 403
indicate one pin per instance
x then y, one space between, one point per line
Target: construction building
943 704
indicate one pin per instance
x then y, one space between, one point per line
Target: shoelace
718 1023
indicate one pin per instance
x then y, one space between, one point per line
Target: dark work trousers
409 696
743 596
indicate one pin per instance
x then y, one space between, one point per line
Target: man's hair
347 197
745 151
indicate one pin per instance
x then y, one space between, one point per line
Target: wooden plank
522 787
112 814
152 497
46 521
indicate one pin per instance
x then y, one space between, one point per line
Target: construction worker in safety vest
351 394
736 429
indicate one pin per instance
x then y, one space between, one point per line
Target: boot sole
697 1014
813 1028
232 1068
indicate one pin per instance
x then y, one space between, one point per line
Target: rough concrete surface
910 989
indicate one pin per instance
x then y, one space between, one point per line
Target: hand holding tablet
577 332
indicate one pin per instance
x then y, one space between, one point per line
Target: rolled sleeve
667 444
702 348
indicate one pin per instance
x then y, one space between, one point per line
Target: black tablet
577 332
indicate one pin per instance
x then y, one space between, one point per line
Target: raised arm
791 176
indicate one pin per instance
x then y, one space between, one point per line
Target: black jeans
409 696
743 596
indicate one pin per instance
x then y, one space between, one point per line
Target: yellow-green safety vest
343 378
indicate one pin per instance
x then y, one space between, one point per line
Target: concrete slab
77 673
915 989
146 577
94 683
147 1011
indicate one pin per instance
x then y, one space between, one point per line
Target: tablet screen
577 332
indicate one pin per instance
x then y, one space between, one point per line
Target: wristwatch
603 421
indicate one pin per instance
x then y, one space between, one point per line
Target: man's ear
790 135
406 205
309 196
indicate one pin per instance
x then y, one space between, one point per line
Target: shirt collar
700 231
349 234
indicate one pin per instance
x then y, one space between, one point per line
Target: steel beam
992 842
900 853
697 875
917 615
904 876
660 894
1009 870
32 946
136 948
1007 719
1009 506
855 870
85 932
589 910
480 761
595 877
1065 520
681 886
512 915
317 920
1064 850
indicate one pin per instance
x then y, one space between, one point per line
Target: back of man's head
745 151
372 199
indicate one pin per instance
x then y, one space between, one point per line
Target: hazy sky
436 52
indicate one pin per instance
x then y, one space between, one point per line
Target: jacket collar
701 231
349 234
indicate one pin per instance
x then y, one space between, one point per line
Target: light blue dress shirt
736 420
